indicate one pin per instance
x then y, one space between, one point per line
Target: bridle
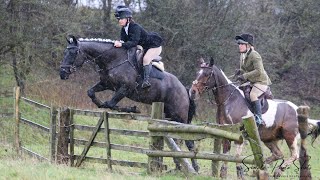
213 89
73 68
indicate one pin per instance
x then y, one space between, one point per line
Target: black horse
119 72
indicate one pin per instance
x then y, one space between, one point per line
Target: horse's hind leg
176 160
276 153
190 145
294 150
292 143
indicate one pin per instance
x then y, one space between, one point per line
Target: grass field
23 167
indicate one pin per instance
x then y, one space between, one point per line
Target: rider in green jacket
252 70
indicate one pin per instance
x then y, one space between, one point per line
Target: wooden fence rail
158 129
63 151
76 160
7 111
19 119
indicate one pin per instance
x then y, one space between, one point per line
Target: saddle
136 54
246 88
155 62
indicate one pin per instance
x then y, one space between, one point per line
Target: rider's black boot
146 74
257 112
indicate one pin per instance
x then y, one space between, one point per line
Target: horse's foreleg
119 94
100 86
240 171
224 167
190 145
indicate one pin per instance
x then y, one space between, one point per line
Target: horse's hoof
178 168
107 106
196 168
240 172
102 106
134 109
277 173
269 160
223 172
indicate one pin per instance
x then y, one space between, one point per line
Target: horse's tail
314 126
192 108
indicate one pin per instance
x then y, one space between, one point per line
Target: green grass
39 143
14 167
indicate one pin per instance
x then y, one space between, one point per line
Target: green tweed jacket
252 68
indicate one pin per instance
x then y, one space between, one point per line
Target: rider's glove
240 78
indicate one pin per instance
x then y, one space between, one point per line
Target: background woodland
287 35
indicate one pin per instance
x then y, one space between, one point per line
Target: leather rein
93 59
213 89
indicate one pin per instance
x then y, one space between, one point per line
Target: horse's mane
96 40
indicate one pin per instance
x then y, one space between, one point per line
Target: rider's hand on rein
117 44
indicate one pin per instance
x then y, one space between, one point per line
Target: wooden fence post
53 129
71 140
256 145
17 118
63 137
156 142
215 164
107 135
303 115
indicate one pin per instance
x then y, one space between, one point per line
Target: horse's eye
74 52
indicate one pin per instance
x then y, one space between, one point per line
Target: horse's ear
200 61
211 62
72 39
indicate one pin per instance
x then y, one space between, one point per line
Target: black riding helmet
123 12
244 39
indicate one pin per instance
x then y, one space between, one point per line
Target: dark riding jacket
252 68
137 35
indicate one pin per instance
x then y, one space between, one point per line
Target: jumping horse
119 72
280 118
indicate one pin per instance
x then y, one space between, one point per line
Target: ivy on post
256 145
303 115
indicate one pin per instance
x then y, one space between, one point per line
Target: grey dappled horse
119 72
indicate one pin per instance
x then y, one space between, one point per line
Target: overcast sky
98 4
90 3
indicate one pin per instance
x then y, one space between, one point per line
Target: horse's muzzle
193 94
64 74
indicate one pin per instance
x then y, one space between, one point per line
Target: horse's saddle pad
157 65
263 98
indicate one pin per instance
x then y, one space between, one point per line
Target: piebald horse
280 119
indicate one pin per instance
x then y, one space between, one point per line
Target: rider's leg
256 91
148 57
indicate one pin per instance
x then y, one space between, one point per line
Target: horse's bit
72 68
